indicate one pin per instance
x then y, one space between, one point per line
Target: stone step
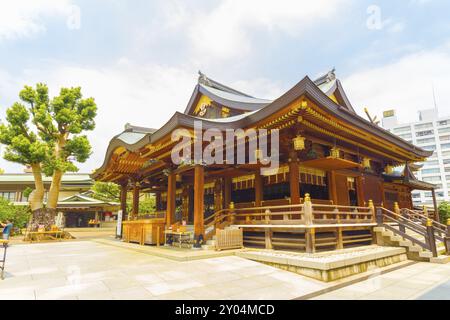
208 247
387 233
378 229
211 242
443 259
426 254
415 248
396 238
406 243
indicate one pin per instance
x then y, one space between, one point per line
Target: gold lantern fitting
335 153
299 143
366 163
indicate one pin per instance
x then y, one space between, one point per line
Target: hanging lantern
366 163
335 153
389 169
299 143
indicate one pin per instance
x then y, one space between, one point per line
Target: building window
402 130
424 133
431 163
430 171
446 153
423 126
444 138
8 195
405 136
416 195
445 146
428 194
444 130
446 161
443 123
431 148
433 179
427 140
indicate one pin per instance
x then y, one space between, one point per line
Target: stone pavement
92 270
418 281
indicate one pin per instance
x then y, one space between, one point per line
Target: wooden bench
53 235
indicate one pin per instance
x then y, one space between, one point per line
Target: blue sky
139 59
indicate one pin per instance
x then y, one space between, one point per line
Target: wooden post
268 238
310 236
258 189
294 178
447 238
136 190
372 210
158 200
397 211
436 209
171 196
332 191
360 191
431 239
199 191
340 239
123 200
227 186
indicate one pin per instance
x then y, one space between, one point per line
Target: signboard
119 224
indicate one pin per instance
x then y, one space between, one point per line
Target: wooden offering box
148 231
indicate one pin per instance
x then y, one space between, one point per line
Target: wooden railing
402 220
306 216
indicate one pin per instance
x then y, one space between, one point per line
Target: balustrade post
310 236
431 238
268 238
447 238
425 211
372 210
267 217
379 217
398 211
232 217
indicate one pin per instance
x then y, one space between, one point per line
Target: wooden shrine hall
335 168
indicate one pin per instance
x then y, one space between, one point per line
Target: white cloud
224 31
24 18
404 85
144 95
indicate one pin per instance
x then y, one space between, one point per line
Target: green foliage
18 215
40 130
106 191
444 211
27 191
147 205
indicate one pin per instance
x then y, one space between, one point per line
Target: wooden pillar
199 191
218 197
258 189
310 234
171 196
332 191
123 200
158 200
227 186
294 178
436 209
135 210
360 191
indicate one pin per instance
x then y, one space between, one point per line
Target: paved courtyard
92 270
420 281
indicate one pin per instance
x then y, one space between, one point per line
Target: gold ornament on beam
366 163
258 154
335 153
389 169
299 143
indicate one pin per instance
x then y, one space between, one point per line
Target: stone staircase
414 252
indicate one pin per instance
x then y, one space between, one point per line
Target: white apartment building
431 132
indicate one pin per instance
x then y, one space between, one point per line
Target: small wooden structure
229 239
148 231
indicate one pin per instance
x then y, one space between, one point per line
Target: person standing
7 227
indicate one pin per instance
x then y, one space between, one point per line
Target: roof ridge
133 128
206 81
327 77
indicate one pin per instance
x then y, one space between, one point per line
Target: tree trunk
40 215
53 194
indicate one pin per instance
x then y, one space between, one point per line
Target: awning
330 163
